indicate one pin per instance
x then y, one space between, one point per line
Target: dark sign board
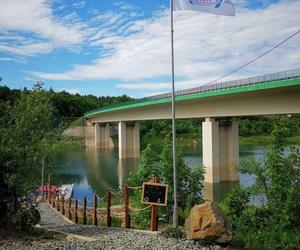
155 193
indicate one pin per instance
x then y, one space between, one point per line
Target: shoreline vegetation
67 142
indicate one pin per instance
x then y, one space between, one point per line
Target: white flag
218 7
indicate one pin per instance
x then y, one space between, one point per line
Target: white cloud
10 59
28 49
79 4
37 29
206 47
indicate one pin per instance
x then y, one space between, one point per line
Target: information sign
155 193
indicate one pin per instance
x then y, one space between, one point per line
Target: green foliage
24 142
235 204
262 125
269 239
116 222
164 127
25 218
65 105
277 177
160 165
173 232
275 224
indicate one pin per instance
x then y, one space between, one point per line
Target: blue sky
111 47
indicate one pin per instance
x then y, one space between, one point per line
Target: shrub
276 224
173 232
189 183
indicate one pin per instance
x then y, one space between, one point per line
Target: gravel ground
103 238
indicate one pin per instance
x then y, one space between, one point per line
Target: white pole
43 164
175 212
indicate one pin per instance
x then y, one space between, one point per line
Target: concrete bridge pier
220 141
102 136
129 140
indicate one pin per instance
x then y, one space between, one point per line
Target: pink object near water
45 188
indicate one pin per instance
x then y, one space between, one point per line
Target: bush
25 218
173 232
116 222
269 239
189 183
276 224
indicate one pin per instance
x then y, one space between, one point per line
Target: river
94 170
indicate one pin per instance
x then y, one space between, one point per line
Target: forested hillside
66 104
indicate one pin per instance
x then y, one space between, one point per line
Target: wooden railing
76 212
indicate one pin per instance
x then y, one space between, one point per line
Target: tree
274 224
29 126
160 165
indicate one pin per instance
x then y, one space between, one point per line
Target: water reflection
217 191
95 170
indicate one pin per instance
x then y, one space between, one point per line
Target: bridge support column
102 136
129 141
220 150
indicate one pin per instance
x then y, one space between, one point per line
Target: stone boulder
207 222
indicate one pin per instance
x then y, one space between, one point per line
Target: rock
207 222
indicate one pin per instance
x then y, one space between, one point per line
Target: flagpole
175 211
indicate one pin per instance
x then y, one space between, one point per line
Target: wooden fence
71 209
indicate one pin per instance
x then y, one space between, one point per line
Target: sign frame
155 184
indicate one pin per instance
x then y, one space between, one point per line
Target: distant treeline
66 104
74 105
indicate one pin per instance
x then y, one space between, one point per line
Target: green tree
274 224
29 126
160 165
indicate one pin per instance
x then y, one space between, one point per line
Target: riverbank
74 135
188 140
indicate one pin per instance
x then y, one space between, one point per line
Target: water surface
94 170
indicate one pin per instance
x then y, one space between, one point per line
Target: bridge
219 103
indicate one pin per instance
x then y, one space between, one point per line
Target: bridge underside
285 100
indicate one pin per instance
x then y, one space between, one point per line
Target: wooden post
126 196
63 205
76 211
70 207
95 220
153 224
84 210
108 218
53 199
47 192
57 202
50 197
49 186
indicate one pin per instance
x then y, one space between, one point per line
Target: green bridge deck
210 93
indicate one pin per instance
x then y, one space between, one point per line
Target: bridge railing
284 75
